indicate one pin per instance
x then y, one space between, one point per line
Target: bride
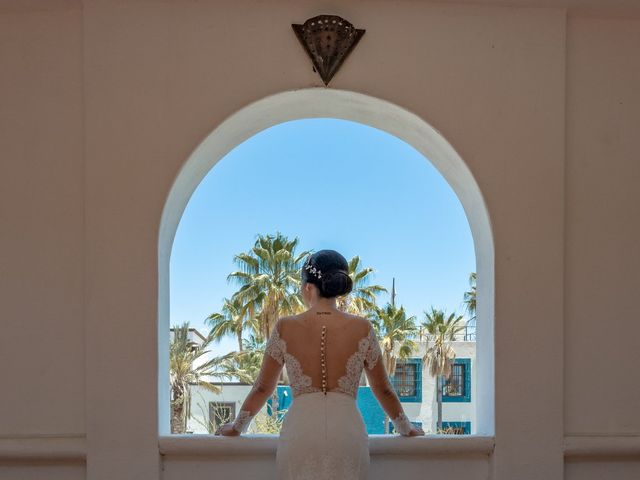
323 436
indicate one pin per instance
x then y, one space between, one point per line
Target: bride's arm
262 388
383 390
389 401
272 364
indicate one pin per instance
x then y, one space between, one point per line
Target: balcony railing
467 334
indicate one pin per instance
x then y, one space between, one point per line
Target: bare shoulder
363 322
285 320
290 318
358 318
302 319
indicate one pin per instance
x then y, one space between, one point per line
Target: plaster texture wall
102 103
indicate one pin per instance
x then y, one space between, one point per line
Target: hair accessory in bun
314 270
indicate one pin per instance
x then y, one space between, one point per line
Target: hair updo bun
335 284
333 270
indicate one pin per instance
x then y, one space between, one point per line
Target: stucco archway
377 113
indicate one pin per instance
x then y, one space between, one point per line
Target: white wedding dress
323 435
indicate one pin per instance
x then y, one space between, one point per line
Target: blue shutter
467 380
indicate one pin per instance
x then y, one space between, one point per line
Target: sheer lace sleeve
381 385
265 382
275 346
373 352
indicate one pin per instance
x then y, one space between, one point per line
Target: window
407 380
457 388
455 385
221 413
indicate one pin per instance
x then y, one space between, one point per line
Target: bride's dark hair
334 278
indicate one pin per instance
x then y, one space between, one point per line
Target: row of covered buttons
323 359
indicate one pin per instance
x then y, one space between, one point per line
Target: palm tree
470 305
245 364
470 297
439 357
362 298
232 321
269 279
184 372
395 332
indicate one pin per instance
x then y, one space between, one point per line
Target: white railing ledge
247 445
431 445
44 447
602 445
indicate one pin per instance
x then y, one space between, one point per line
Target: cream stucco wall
102 103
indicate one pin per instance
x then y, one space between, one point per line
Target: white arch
329 103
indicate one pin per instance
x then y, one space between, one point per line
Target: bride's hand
415 432
227 430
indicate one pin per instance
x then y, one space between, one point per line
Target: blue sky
333 184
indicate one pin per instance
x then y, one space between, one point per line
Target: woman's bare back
324 351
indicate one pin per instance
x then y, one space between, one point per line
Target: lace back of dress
346 363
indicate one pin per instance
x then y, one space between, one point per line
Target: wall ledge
44 448
73 447
215 446
602 445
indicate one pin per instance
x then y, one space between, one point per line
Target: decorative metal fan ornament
328 39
